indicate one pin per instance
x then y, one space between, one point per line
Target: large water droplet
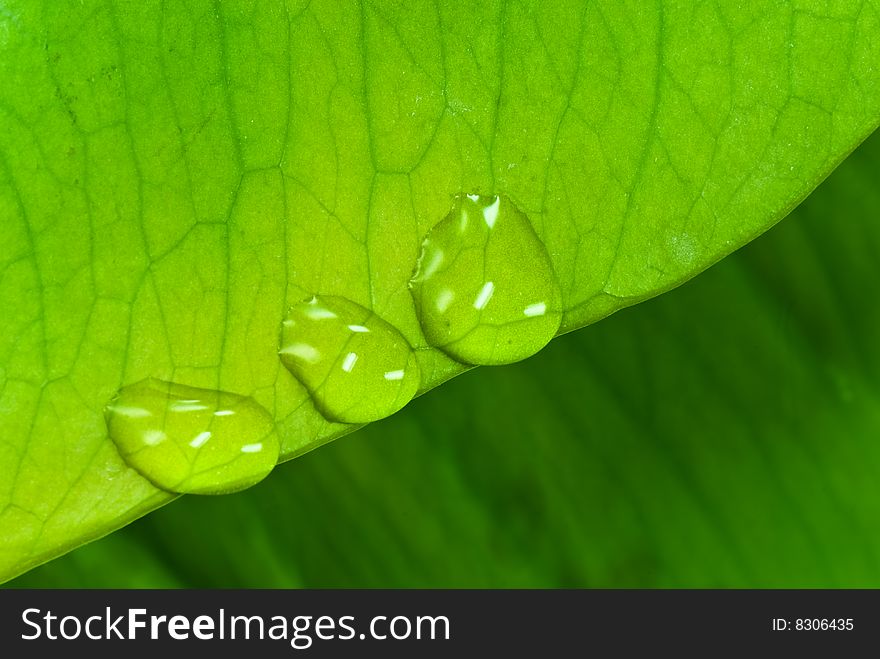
191 440
356 366
484 287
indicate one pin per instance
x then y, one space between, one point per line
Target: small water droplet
190 440
356 366
491 297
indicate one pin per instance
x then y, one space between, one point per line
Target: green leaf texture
173 177
723 435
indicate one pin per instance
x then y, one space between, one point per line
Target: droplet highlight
484 287
356 366
191 440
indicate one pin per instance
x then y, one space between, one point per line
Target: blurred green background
722 435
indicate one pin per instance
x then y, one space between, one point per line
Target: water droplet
484 287
190 440
356 366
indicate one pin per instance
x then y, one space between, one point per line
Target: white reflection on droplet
444 299
490 213
304 351
463 222
224 413
186 406
131 412
316 311
360 329
434 263
153 437
349 362
200 439
252 448
537 309
394 375
484 296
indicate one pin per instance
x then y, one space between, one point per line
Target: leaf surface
723 435
173 178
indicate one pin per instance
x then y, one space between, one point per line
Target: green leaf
173 178
722 435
